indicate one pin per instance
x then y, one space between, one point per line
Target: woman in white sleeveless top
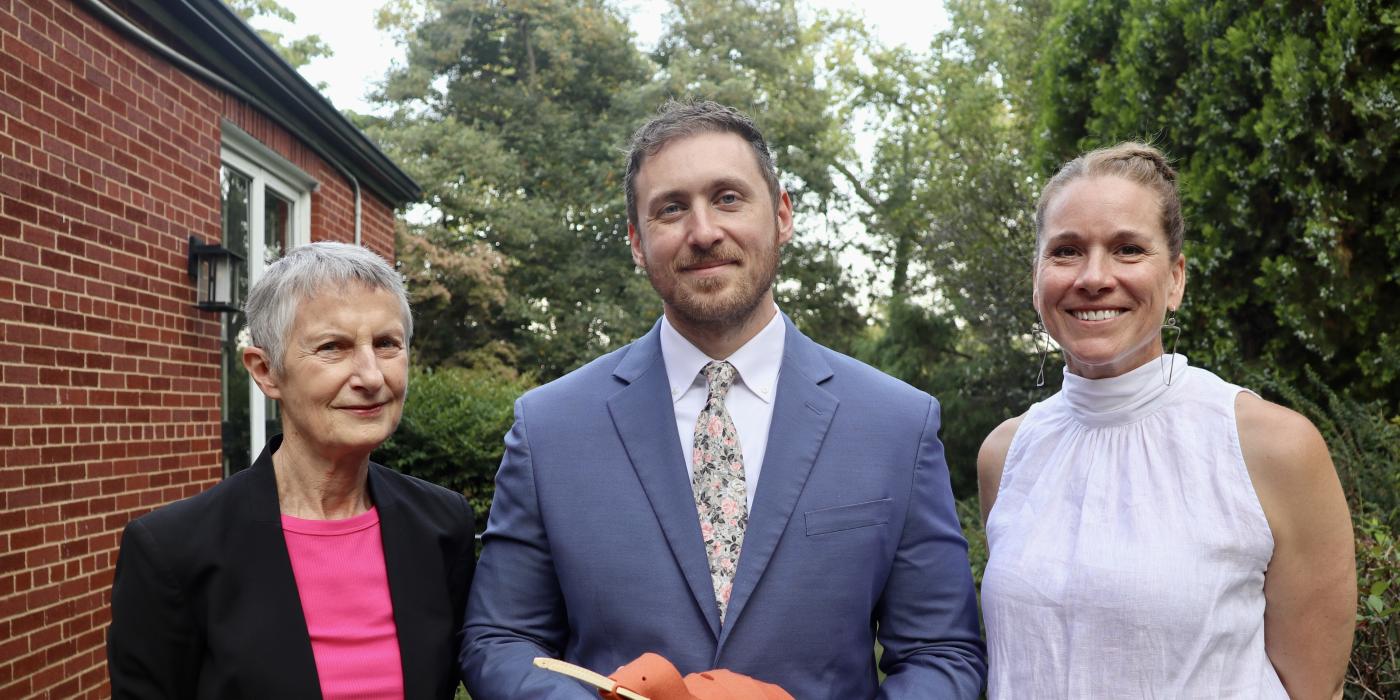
1155 532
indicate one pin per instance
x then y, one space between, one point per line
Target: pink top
344 587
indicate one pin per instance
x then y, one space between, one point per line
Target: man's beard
696 304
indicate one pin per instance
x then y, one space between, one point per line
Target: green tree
1282 118
452 289
297 52
451 430
511 115
946 202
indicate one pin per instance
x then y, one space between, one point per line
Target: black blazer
204 604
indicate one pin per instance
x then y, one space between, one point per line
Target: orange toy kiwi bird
652 676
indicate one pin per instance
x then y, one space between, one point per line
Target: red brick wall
109 383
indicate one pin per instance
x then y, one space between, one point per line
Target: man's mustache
709 257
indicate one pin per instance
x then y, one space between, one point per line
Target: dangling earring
1174 330
1042 341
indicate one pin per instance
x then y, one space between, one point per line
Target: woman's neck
312 487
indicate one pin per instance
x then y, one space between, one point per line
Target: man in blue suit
723 491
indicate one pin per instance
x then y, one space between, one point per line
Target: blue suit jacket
593 551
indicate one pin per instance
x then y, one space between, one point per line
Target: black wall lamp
217 272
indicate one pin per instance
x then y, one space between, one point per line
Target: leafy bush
1280 117
1364 442
452 429
1365 446
1374 671
970 515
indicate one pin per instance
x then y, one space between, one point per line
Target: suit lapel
407 559
285 642
645 420
802 412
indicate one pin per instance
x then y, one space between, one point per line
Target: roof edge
219 41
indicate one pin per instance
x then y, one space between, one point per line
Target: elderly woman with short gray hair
315 573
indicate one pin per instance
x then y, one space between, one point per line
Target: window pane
236 215
236 189
236 430
277 231
277 226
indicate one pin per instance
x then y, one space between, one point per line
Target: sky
363 54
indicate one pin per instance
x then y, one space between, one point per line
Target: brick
37 276
68 358
35 476
38 315
48 677
20 251
21 210
24 539
53 338
53 376
55 260
38 356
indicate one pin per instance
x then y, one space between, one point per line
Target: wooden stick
596 680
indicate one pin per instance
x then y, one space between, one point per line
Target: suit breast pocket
841 518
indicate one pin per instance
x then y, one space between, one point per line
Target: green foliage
763 58
1374 671
970 517
1282 117
817 292
946 191
511 115
1363 440
946 204
1365 447
452 289
977 386
296 52
451 430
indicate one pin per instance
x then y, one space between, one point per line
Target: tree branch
865 195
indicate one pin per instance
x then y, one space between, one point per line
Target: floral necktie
720 494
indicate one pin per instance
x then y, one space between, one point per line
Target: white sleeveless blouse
1128 547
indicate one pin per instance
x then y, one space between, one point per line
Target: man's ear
255 360
784 218
634 240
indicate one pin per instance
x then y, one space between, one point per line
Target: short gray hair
306 271
678 120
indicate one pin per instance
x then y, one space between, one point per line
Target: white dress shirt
750 399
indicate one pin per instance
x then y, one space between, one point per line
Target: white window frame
269 171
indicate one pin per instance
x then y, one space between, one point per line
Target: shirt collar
757 361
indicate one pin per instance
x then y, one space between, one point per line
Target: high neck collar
1126 398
